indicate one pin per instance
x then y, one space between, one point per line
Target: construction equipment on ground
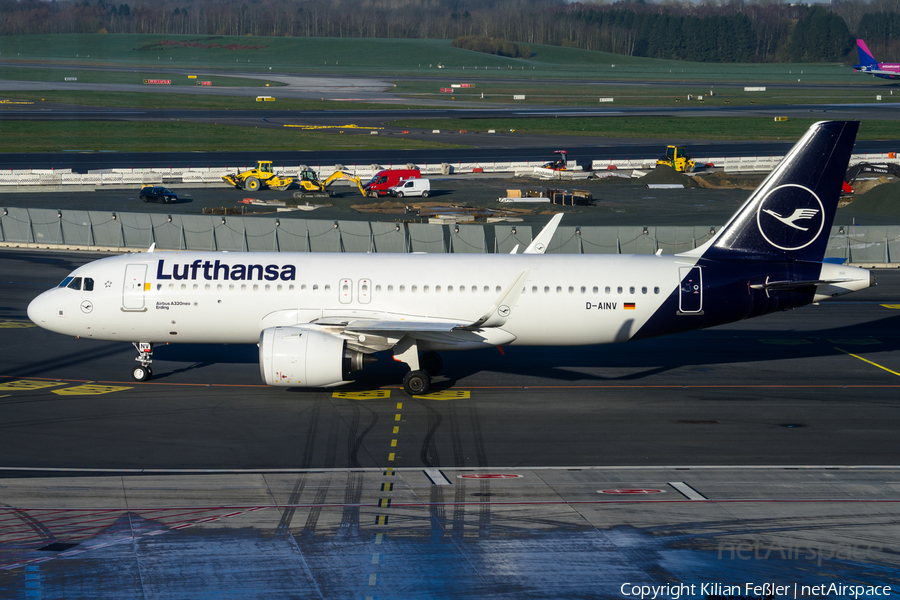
560 164
313 188
261 176
677 158
864 167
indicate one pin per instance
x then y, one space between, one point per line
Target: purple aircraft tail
865 56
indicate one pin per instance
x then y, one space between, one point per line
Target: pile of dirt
864 186
664 174
723 180
881 200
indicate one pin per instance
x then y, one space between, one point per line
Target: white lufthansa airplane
318 316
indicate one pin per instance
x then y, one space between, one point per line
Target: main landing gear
143 372
422 367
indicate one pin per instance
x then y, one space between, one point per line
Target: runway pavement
451 533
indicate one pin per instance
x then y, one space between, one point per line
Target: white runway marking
689 492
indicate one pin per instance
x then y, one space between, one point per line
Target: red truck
382 181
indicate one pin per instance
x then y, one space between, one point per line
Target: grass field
576 94
57 136
134 77
391 57
160 99
706 128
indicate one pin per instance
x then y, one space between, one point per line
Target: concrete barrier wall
173 176
52 228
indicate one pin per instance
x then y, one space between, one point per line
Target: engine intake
306 357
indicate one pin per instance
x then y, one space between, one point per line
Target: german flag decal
629 306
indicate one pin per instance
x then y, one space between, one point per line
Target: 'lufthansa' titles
216 271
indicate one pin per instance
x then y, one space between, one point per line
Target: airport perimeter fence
179 175
123 231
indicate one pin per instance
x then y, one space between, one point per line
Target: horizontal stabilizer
790 285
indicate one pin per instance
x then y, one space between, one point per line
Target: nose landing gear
143 372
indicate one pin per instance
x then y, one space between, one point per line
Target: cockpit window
75 284
65 282
88 285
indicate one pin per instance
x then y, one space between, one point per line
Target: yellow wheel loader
677 158
261 176
311 187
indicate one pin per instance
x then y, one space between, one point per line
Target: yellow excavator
261 176
677 158
311 187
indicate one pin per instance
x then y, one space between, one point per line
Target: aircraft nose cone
37 310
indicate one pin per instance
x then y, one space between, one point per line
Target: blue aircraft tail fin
790 214
865 56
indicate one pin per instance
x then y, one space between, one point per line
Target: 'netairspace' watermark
818 553
751 591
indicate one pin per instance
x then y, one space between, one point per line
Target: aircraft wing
404 327
372 335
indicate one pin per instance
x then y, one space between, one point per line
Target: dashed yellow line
874 364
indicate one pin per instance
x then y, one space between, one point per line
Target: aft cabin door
690 295
134 286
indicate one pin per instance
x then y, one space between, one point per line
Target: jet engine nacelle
305 357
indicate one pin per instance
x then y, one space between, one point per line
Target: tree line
727 31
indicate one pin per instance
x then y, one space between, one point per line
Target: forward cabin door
134 287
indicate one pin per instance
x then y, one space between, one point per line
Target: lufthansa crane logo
791 217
